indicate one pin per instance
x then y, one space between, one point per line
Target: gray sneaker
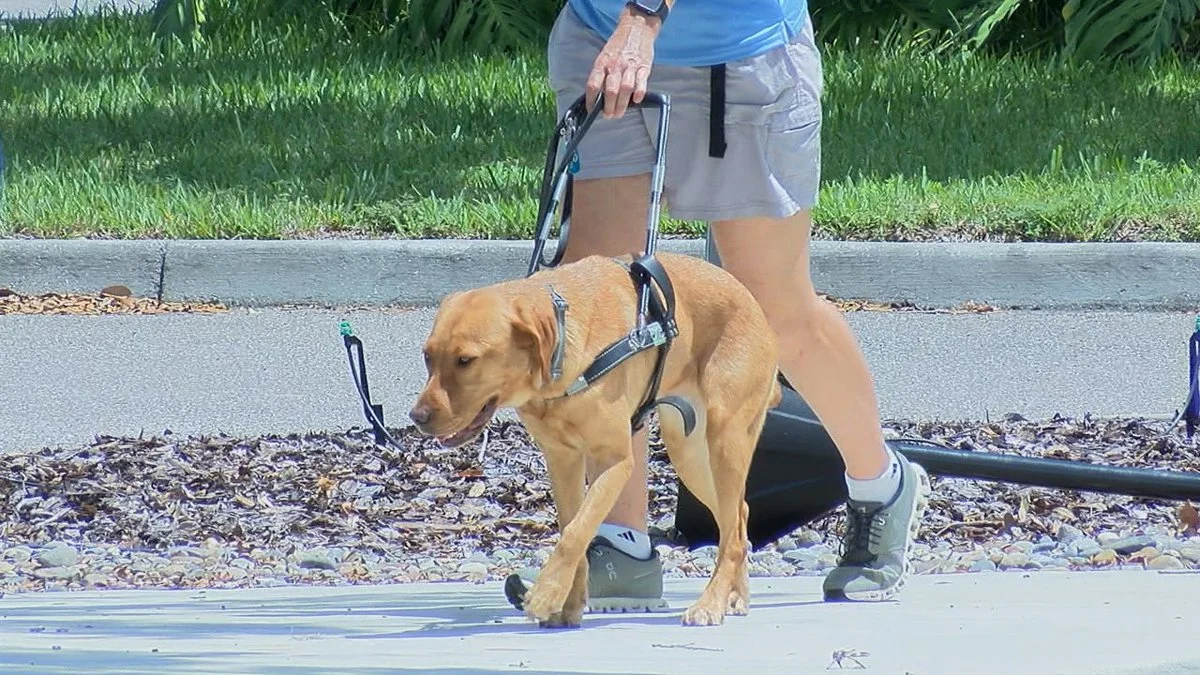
878 539
617 582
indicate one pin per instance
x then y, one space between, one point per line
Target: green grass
282 134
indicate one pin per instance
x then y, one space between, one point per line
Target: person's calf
626 525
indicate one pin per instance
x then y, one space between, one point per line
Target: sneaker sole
514 591
920 504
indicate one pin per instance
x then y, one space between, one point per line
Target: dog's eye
465 360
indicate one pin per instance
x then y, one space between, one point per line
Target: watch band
654 8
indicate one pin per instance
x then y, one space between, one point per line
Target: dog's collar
560 341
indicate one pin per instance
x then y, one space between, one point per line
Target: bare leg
818 352
820 356
608 217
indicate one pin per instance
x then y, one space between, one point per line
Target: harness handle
561 164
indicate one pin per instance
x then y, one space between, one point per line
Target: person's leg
610 200
609 218
820 356
759 199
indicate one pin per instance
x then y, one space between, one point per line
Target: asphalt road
64 379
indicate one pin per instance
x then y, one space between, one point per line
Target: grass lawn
285 135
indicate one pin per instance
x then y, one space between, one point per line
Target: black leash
358 370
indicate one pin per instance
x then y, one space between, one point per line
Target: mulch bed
341 489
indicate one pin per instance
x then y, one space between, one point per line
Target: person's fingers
641 84
612 92
595 82
629 78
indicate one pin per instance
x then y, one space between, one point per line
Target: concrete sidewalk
1092 623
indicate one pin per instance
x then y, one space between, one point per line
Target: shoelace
864 527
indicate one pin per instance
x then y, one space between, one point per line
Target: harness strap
655 329
560 348
716 111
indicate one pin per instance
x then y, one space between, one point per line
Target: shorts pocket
794 150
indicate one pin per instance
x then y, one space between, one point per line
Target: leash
358 370
655 326
1190 413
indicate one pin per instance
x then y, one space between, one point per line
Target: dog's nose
419 414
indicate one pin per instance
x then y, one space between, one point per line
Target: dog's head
487 350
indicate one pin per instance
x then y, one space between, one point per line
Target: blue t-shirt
708 32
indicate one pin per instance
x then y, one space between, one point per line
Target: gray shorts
772 161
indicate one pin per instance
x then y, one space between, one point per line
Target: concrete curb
1148 275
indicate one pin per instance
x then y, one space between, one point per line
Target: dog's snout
420 414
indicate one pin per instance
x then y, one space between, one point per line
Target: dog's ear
534 329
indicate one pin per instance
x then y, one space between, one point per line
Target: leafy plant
1140 29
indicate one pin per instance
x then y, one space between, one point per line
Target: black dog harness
655 328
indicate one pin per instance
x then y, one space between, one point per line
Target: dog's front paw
544 603
563 619
704 613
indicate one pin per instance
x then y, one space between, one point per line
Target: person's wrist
632 18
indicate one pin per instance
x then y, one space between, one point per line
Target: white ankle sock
880 489
632 542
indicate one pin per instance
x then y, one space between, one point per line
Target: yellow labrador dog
527 344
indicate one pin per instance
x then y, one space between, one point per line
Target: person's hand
622 69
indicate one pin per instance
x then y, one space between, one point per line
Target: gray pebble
982 565
57 573
1106 539
473 568
1068 533
19 554
1013 560
95 579
809 538
315 560
269 582
1083 548
58 554
504 554
1059 562
1131 544
705 552
1190 553
1166 562
1023 546
786 544
6 568
1041 559
480 557
766 557
1164 543
242 563
782 570
1044 547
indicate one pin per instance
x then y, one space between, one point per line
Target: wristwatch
654 8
